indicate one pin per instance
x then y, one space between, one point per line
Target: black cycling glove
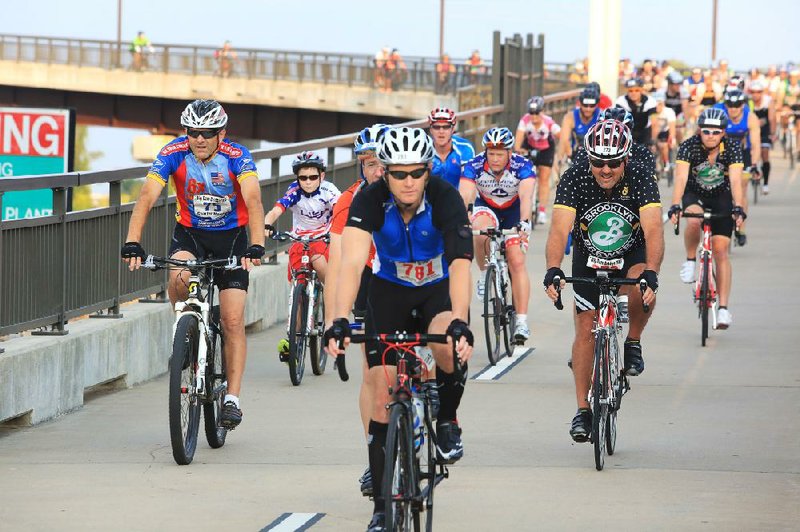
552 273
459 328
651 278
339 330
255 251
739 212
674 210
132 250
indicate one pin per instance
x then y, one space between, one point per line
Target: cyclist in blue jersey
575 124
218 197
450 151
423 242
504 183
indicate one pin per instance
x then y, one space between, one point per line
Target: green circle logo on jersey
609 231
710 176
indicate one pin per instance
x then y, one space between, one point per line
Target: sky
749 33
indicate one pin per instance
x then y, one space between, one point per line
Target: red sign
36 132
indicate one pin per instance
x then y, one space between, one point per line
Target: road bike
412 468
498 309
609 382
197 365
306 324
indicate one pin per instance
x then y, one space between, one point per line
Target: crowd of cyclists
401 236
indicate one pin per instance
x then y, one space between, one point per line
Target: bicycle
609 382
498 311
755 181
197 365
705 286
413 408
305 329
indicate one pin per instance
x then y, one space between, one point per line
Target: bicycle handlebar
416 338
596 281
283 236
702 215
153 262
491 231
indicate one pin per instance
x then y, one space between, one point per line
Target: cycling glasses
441 126
205 133
734 104
599 163
714 132
308 177
402 174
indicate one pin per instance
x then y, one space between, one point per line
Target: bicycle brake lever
643 288
340 364
557 285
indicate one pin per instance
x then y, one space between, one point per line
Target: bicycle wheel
400 474
704 300
431 478
298 337
492 315
184 406
318 355
508 318
755 183
599 404
216 384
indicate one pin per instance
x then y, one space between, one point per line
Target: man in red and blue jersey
218 197
451 152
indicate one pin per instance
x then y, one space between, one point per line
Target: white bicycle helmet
405 145
204 114
608 140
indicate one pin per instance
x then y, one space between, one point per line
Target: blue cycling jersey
498 192
580 128
739 130
450 169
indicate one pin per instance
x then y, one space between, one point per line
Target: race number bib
426 356
209 206
597 263
420 272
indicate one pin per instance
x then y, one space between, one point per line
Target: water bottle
622 308
419 425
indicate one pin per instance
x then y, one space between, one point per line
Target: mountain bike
412 470
705 285
609 382
197 365
498 310
306 312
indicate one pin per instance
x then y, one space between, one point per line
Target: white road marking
503 365
293 522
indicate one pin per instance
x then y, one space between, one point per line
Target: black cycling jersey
640 155
607 223
641 112
675 101
762 113
709 179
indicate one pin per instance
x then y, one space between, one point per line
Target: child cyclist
311 200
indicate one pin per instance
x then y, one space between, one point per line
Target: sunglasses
537 112
735 105
599 163
402 174
308 177
205 133
441 127
713 132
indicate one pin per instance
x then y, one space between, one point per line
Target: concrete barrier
42 377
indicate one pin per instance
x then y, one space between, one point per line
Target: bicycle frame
606 319
706 261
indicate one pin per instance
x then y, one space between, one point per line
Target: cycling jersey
641 112
498 193
791 94
607 226
541 137
209 194
738 130
762 112
580 128
311 212
709 179
412 254
450 169
665 118
675 101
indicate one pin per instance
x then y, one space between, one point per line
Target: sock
765 170
522 318
450 392
723 307
376 443
231 399
693 259
630 340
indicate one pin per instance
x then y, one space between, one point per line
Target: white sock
522 318
232 399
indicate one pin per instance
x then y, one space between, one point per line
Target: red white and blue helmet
307 159
498 137
369 138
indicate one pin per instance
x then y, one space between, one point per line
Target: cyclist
604 102
640 154
575 124
742 126
642 107
613 210
676 98
450 151
536 137
311 200
666 129
764 109
218 196
504 183
708 175
424 249
370 170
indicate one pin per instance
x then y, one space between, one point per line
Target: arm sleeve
243 166
527 171
469 171
566 190
683 152
646 189
163 166
450 216
735 154
291 197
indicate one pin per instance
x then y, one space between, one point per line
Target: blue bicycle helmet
369 138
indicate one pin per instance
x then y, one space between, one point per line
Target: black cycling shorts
721 204
545 157
587 296
663 136
360 304
205 244
389 309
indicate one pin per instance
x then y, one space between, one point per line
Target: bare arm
354 254
560 226
334 267
467 189
755 138
735 176
567 124
773 119
681 177
519 136
148 195
251 193
273 215
460 288
650 219
526 187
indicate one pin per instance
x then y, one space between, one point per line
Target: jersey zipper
410 248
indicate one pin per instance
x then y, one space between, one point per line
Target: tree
82 196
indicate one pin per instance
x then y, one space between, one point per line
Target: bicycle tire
755 183
432 465
184 423
492 315
317 352
704 299
216 384
298 338
599 409
508 318
400 478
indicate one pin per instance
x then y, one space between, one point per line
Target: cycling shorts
296 255
545 157
721 204
501 219
204 244
587 296
663 136
389 309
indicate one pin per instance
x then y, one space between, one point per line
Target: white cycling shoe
521 331
541 218
687 271
724 318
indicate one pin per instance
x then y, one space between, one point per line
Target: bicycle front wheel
298 337
319 355
755 183
599 398
492 315
400 474
216 384
704 300
184 405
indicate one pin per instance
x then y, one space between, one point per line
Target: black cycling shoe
634 363
366 483
377 523
231 416
741 238
449 446
581 427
